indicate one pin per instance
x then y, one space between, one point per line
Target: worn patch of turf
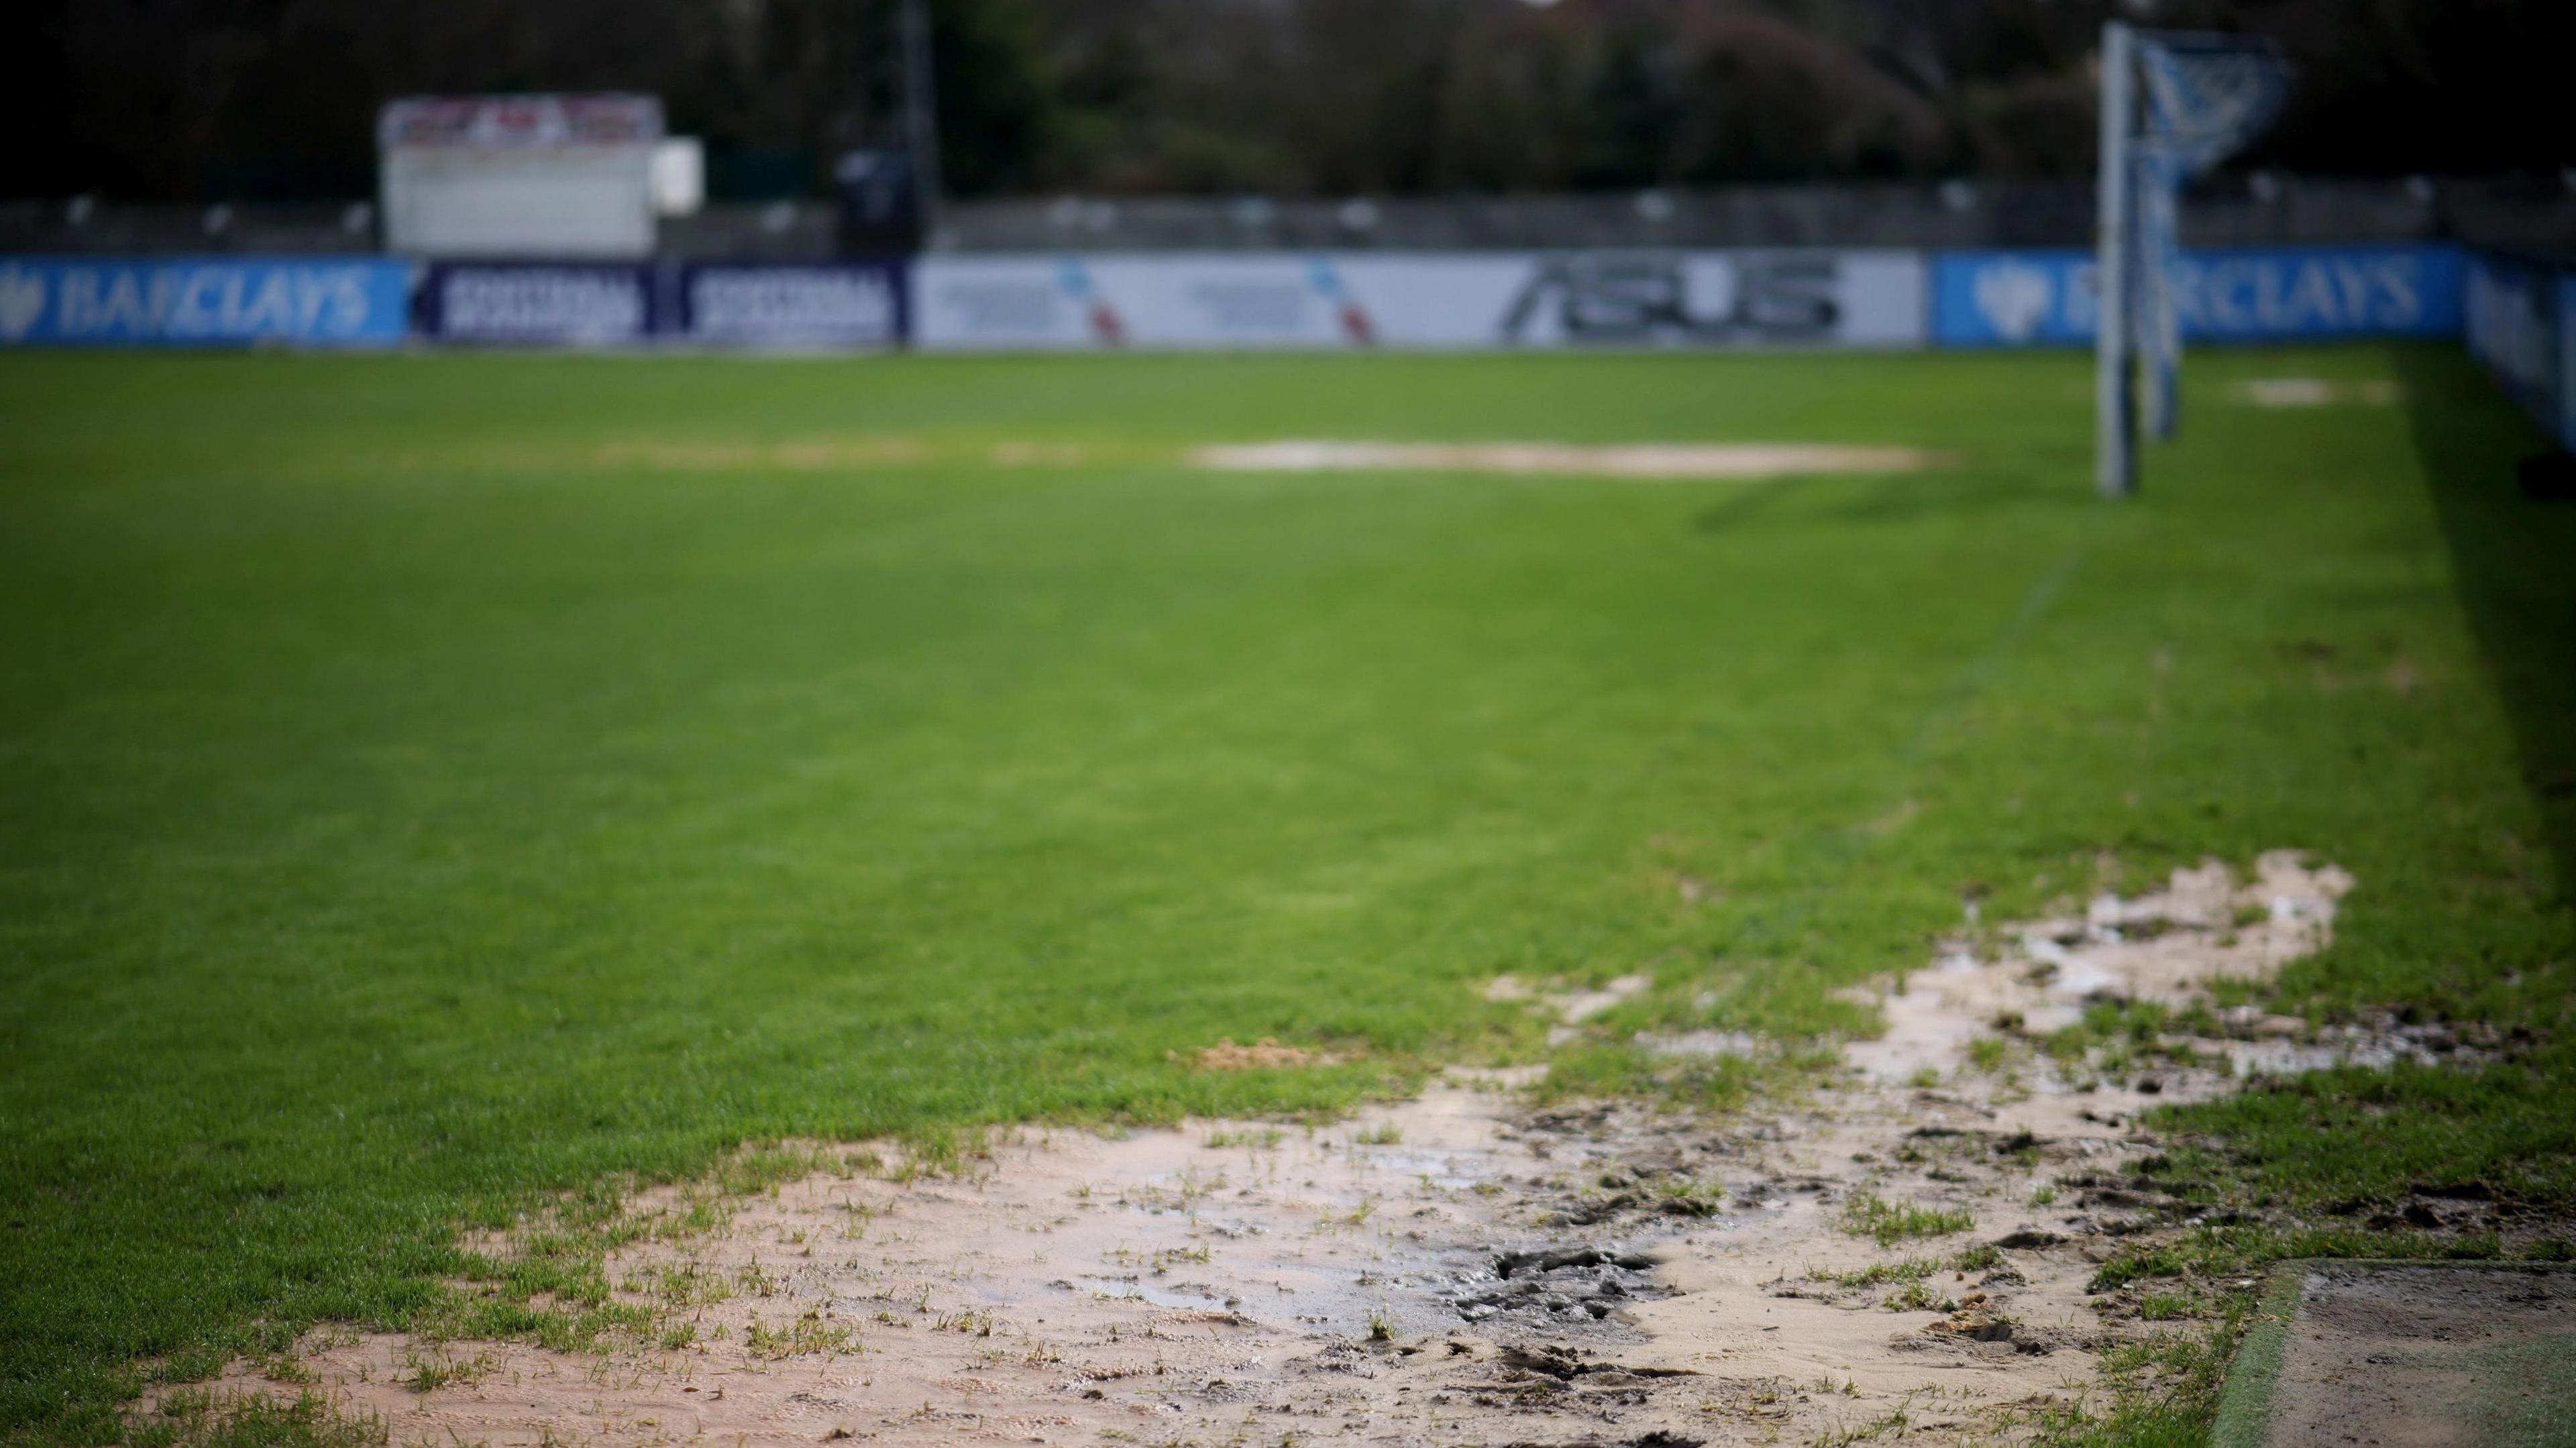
417 799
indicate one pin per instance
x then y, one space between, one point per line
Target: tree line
275 99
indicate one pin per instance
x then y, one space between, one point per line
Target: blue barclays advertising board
2234 294
203 301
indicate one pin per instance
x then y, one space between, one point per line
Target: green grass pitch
429 783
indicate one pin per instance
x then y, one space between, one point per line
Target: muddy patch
1646 461
1909 1248
2164 947
1236 1280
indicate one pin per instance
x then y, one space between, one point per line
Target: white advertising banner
1670 299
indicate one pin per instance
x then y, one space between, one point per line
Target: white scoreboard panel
555 176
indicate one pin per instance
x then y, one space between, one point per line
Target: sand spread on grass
2277 393
1645 460
1264 1054
1461 1268
790 455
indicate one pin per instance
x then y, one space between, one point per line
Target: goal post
2115 432
2174 104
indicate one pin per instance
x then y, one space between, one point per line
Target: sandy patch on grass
1683 461
801 455
837 454
1571 1006
1650 460
858 453
2292 392
1912 1246
1264 1054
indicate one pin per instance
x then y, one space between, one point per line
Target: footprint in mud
1656 1439
1573 1283
1566 1364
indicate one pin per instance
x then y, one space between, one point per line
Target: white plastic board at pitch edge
1459 300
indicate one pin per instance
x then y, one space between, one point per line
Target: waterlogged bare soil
1910 1247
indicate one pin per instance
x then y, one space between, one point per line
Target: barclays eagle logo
22 301
2015 297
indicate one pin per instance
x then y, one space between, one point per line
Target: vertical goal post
2174 105
2115 424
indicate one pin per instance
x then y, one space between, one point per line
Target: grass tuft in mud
1867 1214
1914 1269
192 1418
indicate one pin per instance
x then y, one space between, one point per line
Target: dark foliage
188 99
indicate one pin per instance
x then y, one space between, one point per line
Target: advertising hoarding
847 304
1425 300
203 301
722 304
2566 429
2235 294
537 303
2522 326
